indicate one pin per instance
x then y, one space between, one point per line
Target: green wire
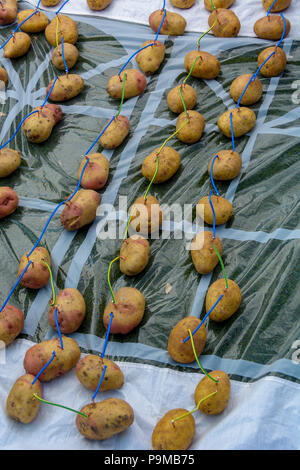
183 102
204 34
122 98
52 283
192 68
222 265
212 4
197 359
156 171
108 279
59 406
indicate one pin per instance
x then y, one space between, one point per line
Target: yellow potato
96 172
71 55
204 257
173 25
135 84
116 133
223 209
50 3
146 216
193 130
217 403
169 162
98 4
227 166
229 303
128 311
3 77
66 87
271 27
67 28
89 371
17 46
227 26
178 435
70 306
8 11
183 352
174 100
218 4
37 274
275 65
207 65
10 160
134 255
243 120
21 405
279 5
9 201
253 92
150 59
38 126
81 210
105 419
36 24
182 3
11 323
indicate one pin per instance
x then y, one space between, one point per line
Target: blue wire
79 181
258 70
32 112
136 52
271 7
284 29
42 370
157 34
107 335
94 143
214 215
63 55
38 4
99 384
50 91
24 21
164 5
16 284
58 330
62 6
232 134
240 98
211 175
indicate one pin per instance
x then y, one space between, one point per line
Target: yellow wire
195 409
52 283
108 278
57 25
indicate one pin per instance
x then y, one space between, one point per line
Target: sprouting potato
17 46
3 78
11 323
279 5
271 27
243 120
174 100
227 26
173 25
193 130
36 24
37 274
168 164
146 216
207 65
229 303
135 84
174 435
222 207
218 4
116 133
253 92
81 210
183 352
217 403
98 4
8 11
71 308
150 59
10 160
96 171
71 55
9 201
89 371
134 255
66 87
21 404
67 28
204 257
275 65
128 311
227 165
39 126
182 3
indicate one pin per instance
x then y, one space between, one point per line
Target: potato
227 26
36 24
66 87
21 405
98 4
168 164
67 28
193 130
173 25
174 100
204 257
71 310
17 46
227 166
146 216
253 92
134 255
229 303
39 355
11 324
135 84
116 133
37 274
271 27
39 126
10 160
243 120
207 66
50 3
150 59
3 78
9 201
81 210
96 172
218 402
105 419
218 4
128 311
275 65
183 352
89 371
8 11
174 436
71 55
223 209
182 3
279 5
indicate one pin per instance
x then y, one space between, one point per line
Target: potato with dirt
202 64
17 46
275 65
37 274
81 210
150 59
3 78
226 23
183 352
21 405
89 372
9 201
105 419
66 87
204 256
134 255
71 309
11 323
168 164
227 165
135 84
173 25
146 216
96 171
192 131
252 94
39 125
36 24
64 359
174 99
217 403
222 207
71 55
182 3
8 11
229 303
174 435
218 4
271 27
67 29
128 311
116 133
243 121
10 160
280 5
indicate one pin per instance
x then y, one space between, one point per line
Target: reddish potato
11 323
71 310
96 171
9 201
135 84
8 11
81 210
37 274
39 126
183 352
128 311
